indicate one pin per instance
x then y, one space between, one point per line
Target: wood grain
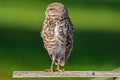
42 74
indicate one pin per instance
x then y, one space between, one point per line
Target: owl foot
59 70
49 70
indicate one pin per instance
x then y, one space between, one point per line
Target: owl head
56 9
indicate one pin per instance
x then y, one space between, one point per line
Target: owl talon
59 70
49 70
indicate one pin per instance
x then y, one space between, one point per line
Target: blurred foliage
96 37
103 14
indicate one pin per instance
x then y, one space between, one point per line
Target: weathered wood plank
41 74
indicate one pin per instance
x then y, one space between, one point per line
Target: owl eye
52 9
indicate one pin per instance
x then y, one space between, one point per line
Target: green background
96 36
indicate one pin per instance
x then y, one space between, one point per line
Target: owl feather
57 33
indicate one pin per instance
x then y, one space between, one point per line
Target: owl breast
57 38
56 30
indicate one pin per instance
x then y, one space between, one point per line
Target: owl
57 35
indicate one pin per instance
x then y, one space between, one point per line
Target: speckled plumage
57 34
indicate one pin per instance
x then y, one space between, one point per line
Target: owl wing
69 38
67 34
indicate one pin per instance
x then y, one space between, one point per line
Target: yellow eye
52 10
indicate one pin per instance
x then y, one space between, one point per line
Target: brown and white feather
57 33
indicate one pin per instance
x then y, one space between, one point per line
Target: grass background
96 36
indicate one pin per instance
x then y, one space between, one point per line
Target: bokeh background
96 36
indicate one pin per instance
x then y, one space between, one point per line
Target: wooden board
43 74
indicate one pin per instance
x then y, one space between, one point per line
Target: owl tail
62 62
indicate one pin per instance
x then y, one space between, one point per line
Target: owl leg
59 60
58 67
52 65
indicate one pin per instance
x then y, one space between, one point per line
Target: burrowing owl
57 34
